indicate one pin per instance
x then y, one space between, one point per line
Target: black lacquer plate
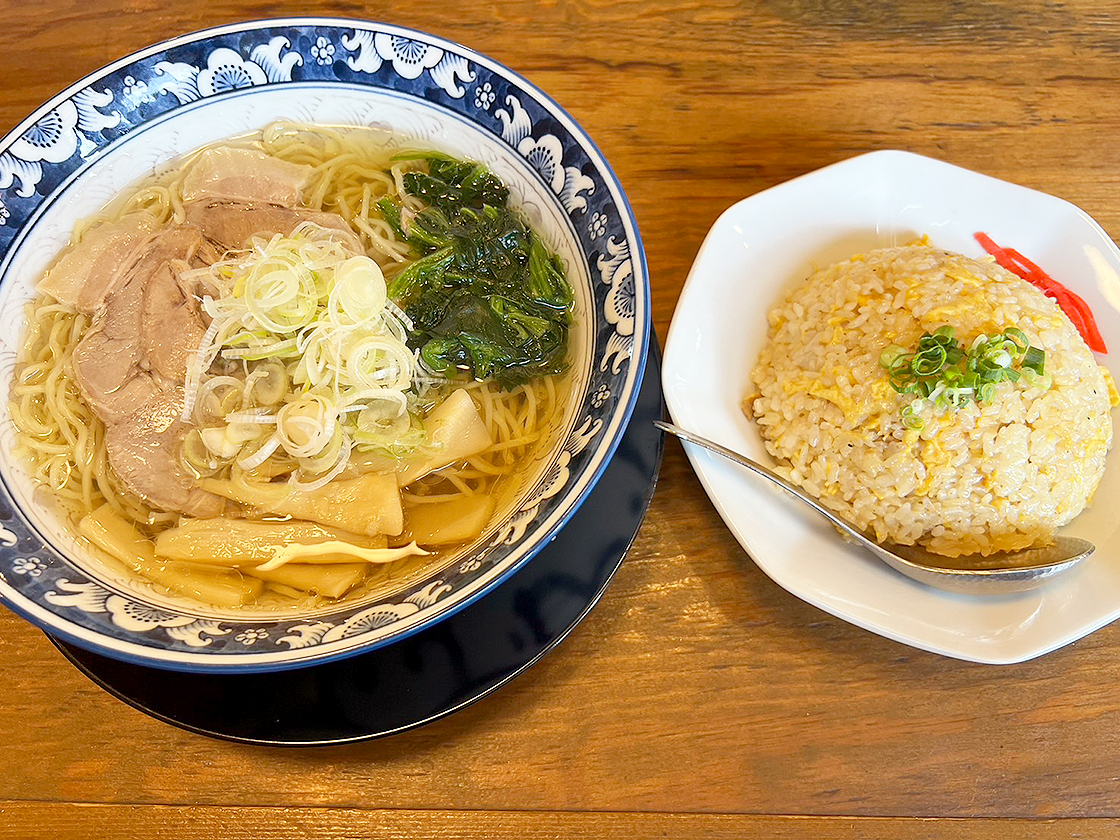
436 671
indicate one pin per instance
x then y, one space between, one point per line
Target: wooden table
699 699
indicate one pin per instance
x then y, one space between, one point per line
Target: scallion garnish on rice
940 372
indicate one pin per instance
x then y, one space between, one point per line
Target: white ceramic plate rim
763 245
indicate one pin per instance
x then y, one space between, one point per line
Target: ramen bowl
130 119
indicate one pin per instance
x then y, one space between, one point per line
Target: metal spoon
1003 572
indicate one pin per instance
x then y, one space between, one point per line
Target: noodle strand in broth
63 440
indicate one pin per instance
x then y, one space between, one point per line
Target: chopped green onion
1042 381
1018 337
1035 360
889 354
941 372
958 397
930 361
910 418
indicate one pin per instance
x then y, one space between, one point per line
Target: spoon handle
770 475
1014 571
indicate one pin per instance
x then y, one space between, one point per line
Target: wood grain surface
699 699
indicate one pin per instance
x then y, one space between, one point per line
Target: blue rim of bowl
635 265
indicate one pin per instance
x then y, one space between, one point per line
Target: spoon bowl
975 574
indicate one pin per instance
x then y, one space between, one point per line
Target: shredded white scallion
332 369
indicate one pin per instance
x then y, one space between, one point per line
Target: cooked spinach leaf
485 294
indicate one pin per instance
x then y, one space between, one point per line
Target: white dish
753 254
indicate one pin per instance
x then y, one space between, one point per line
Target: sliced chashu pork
85 274
246 175
234 194
130 367
109 363
144 453
171 326
232 223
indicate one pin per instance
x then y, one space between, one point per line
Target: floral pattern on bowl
65 162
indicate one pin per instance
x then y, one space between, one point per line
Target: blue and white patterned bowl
77 151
